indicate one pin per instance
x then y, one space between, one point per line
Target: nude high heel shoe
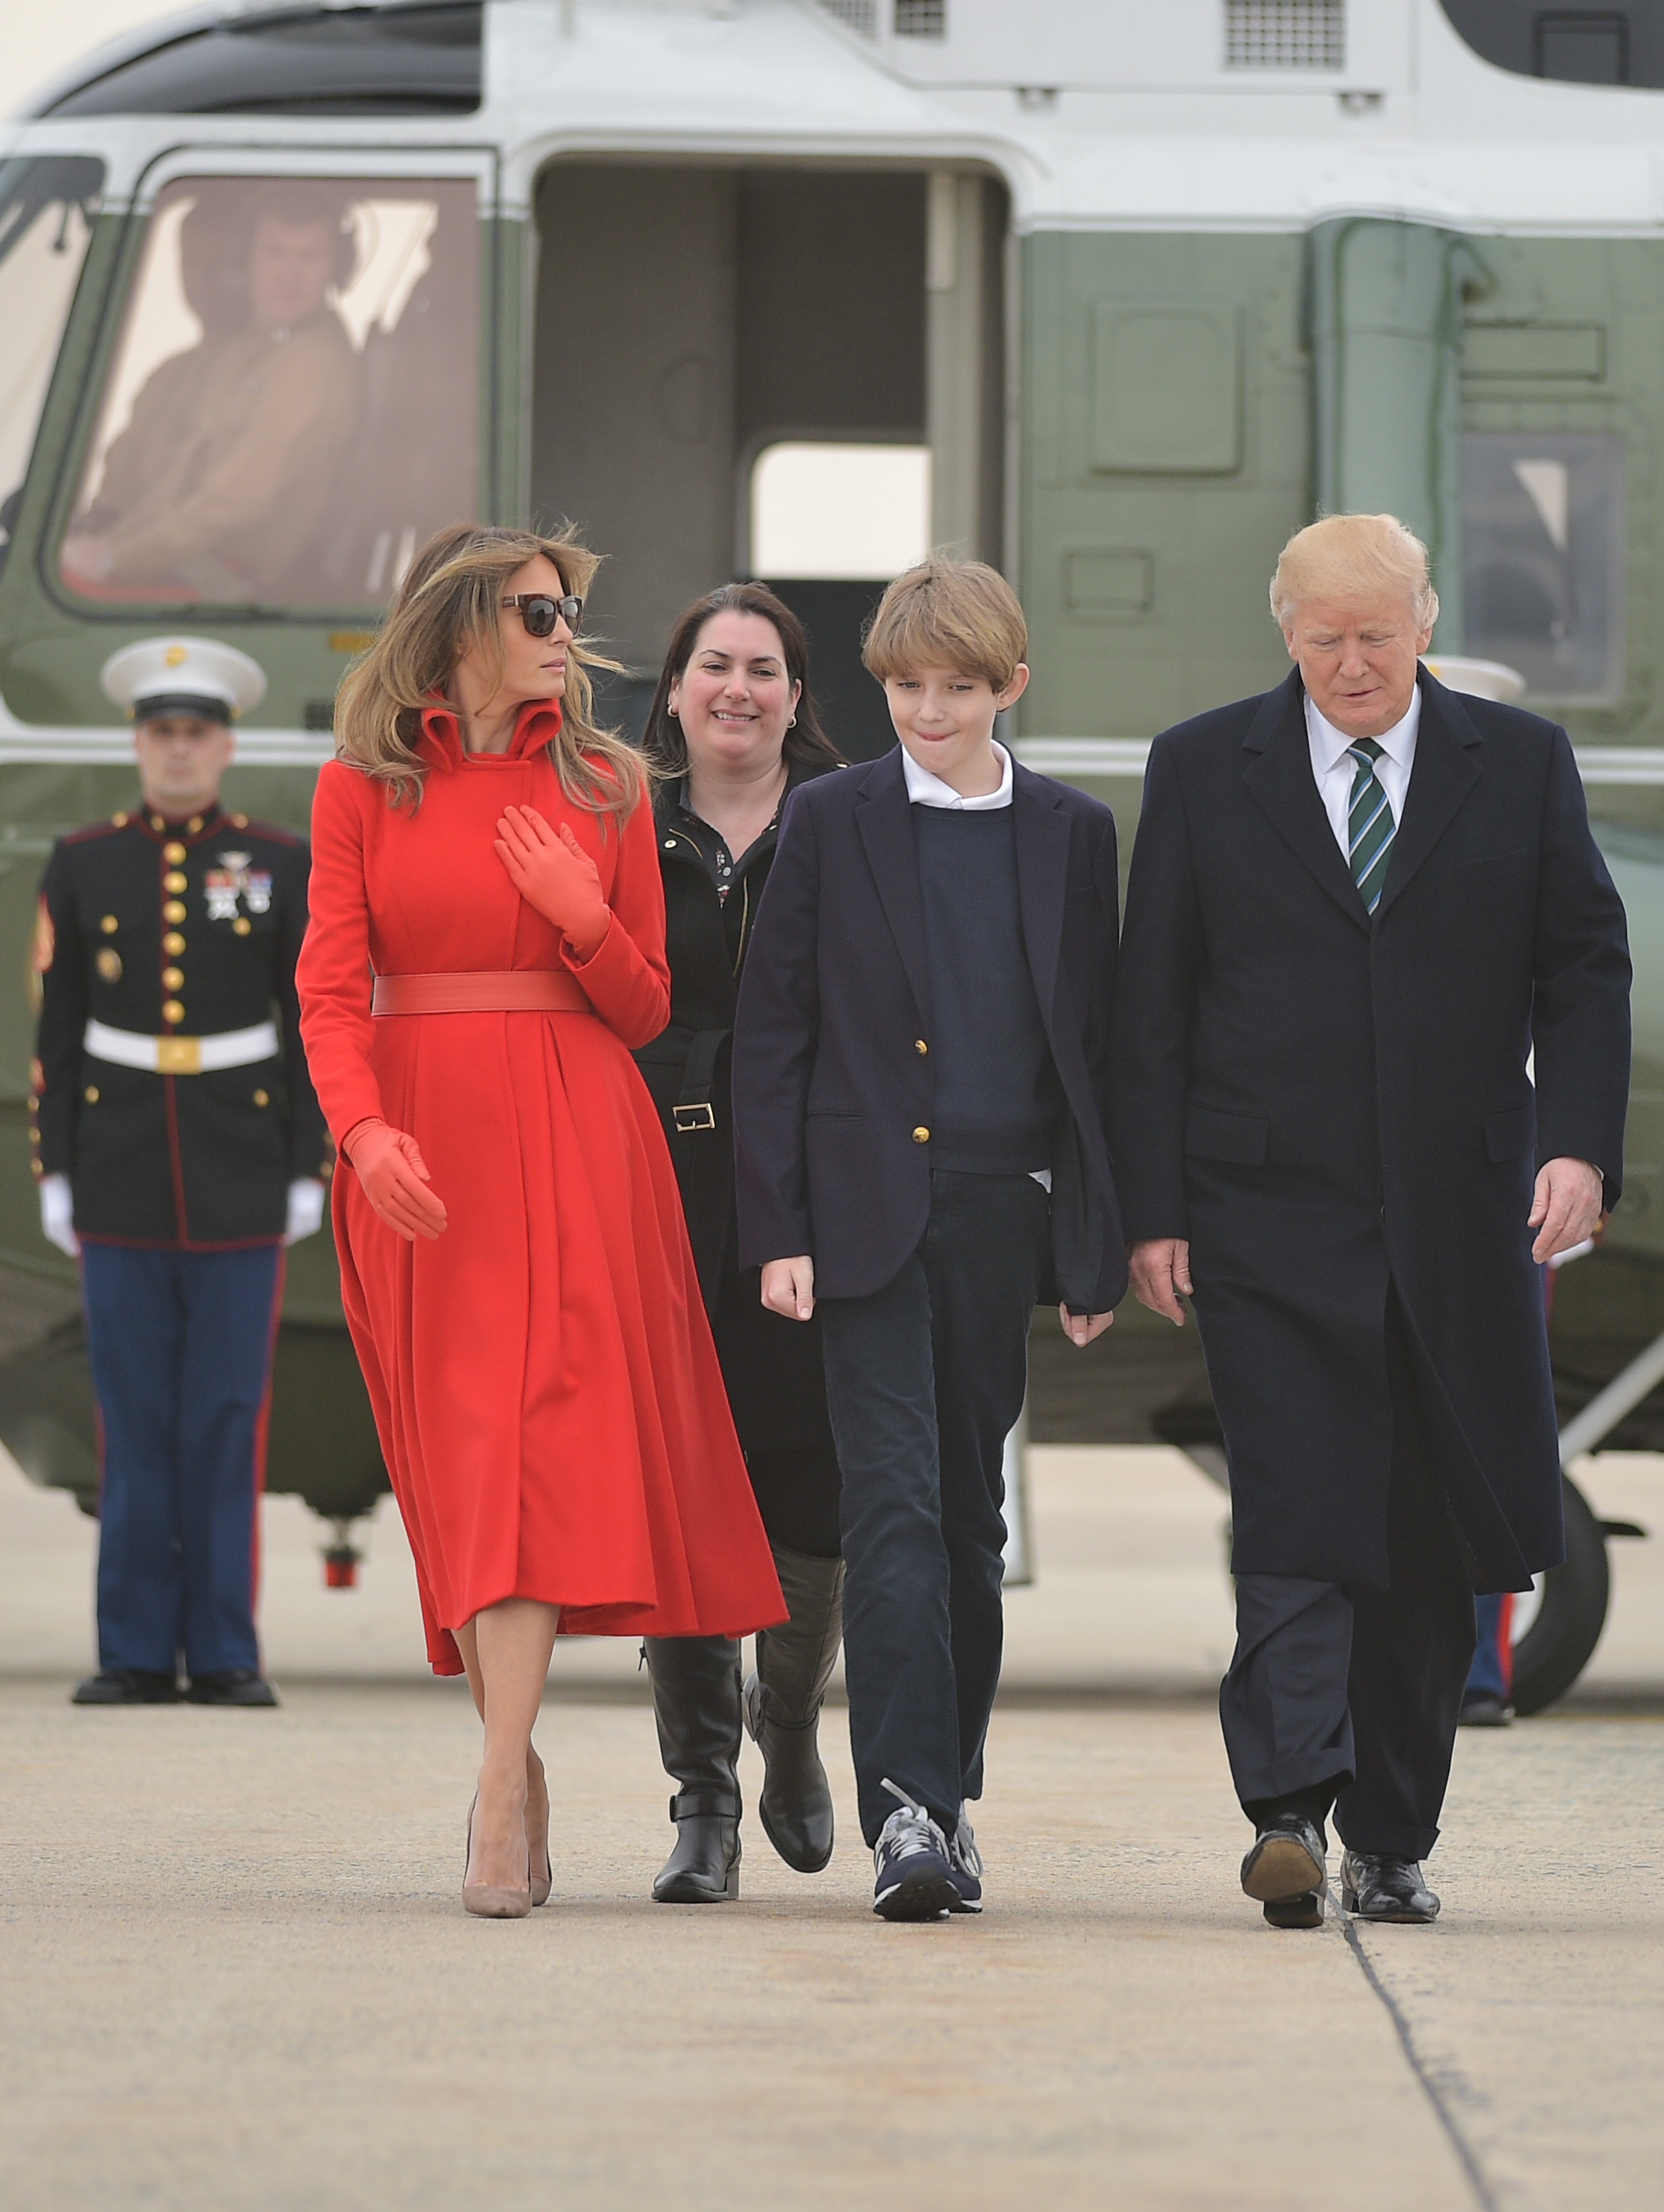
485 1899
541 1883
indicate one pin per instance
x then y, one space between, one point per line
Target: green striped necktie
1371 827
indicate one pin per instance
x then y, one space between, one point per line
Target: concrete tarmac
235 1975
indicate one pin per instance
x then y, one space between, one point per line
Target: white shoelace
962 1846
909 1830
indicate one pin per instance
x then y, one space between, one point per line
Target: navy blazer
832 1076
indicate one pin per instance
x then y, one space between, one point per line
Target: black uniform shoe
1374 1886
127 1686
1480 1710
237 1685
1288 1866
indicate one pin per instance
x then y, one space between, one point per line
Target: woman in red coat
487 944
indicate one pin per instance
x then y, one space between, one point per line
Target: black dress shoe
1481 1709
1288 1866
1374 1886
237 1685
127 1686
1305 1911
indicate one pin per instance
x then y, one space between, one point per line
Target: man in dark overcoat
1359 905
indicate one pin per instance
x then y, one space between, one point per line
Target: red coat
547 1396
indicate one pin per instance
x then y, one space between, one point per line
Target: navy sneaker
965 1865
914 1874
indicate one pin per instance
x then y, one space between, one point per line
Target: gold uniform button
262 1099
242 925
240 821
172 944
119 821
194 825
172 1010
90 1094
922 1136
175 881
173 911
173 979
108 964
918 1045
109 925
173 853
157 823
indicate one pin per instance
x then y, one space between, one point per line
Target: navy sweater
997 1094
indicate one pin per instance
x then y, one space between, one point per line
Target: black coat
771 1366
832 1068
201 1160
1320 1103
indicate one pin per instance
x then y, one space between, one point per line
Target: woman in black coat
731 731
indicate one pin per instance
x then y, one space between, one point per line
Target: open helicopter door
744 368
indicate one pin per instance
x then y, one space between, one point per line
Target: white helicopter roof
1097 114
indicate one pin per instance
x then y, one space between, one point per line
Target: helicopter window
44 230
291 407
838 510
1575 41
420 60
1542 557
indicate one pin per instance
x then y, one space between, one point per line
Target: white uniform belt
181 1056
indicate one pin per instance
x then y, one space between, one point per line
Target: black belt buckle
691 1118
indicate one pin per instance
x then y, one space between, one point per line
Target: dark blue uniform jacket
138 918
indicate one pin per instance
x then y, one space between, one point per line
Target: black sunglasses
540 613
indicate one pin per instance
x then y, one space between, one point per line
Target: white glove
306 1209
57 1214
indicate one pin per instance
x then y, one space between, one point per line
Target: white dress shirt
925 789
1334 768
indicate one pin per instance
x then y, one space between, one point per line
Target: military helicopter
1115 296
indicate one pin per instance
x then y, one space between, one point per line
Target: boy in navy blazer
919 1082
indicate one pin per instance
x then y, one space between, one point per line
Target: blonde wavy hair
448 603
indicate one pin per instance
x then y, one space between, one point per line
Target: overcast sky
36 41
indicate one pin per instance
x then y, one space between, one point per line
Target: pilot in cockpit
220 486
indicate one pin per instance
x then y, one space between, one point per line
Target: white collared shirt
924 789
1334 768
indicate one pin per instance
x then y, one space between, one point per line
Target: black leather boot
695 1702
783 1708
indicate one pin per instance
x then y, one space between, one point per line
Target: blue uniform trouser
1491 1675
181 1357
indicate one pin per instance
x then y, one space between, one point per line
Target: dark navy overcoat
1323 1102
832 1079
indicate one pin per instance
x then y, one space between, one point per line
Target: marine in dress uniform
180 1145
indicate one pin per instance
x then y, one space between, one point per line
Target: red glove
556 876
395 1177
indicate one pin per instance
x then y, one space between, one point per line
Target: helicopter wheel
1561 1618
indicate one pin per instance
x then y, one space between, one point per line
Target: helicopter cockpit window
291 407
1542 518
45 225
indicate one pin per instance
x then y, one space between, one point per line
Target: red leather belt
506 991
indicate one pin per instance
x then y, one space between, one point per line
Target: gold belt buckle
179 1055
690 1118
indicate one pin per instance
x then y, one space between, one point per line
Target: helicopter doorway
696 325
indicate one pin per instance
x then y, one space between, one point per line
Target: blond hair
1351 557
948 614
448 603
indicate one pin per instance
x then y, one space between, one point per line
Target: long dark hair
806 742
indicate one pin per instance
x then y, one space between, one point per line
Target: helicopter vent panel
922 19
860 16
1285 34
